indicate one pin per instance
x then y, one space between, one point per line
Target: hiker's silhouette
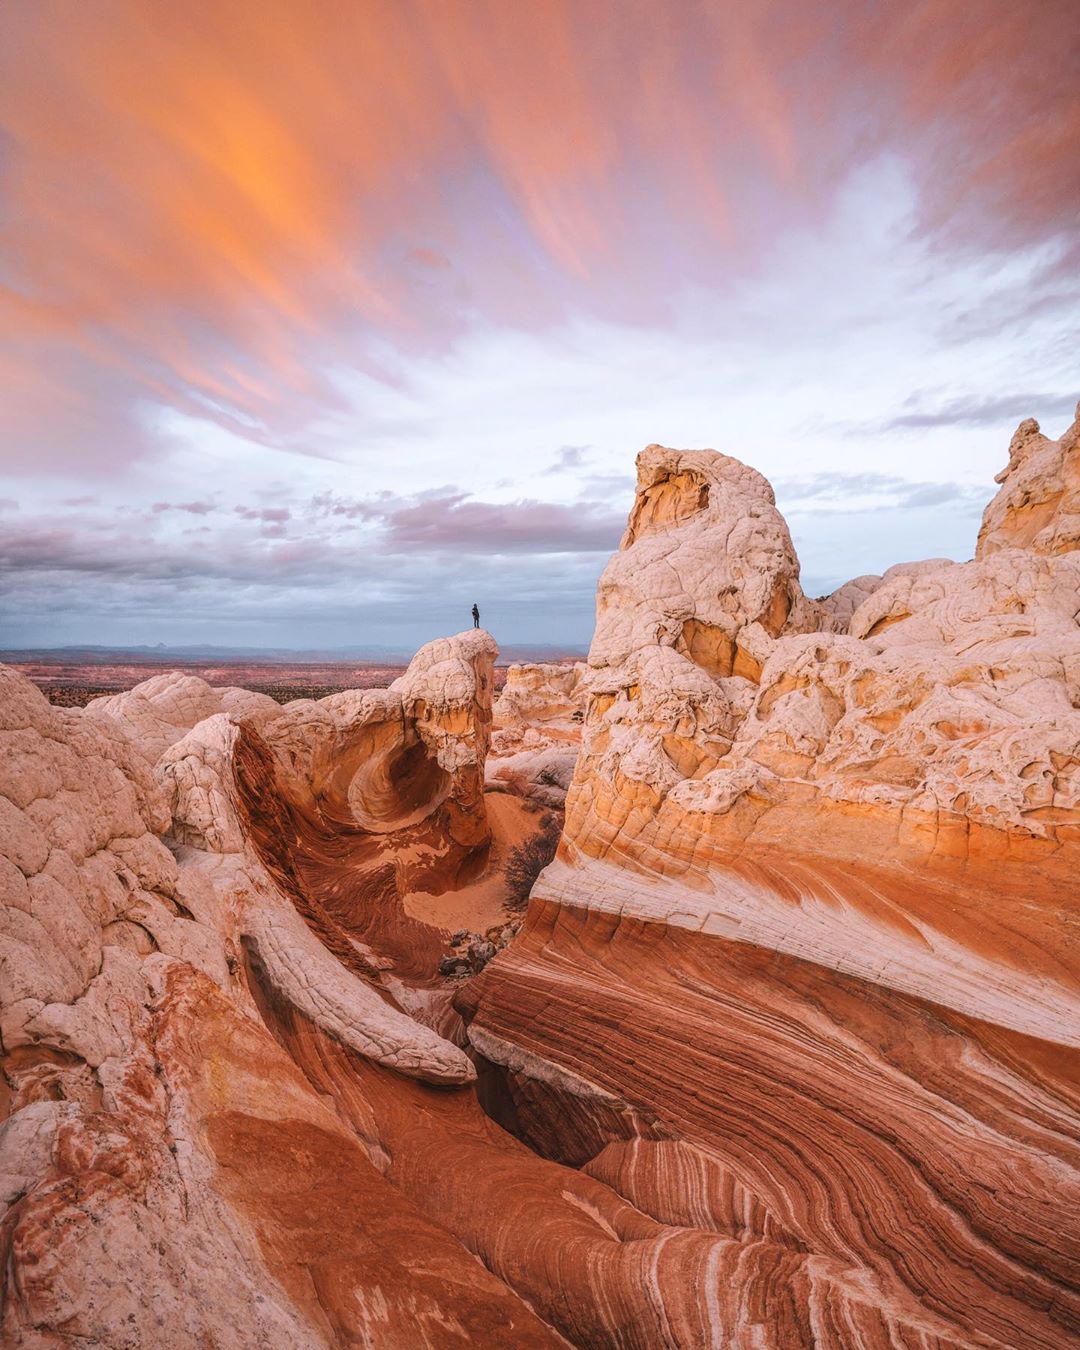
475 617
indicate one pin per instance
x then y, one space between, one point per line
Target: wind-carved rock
157 712
378 763
537 719
199 777
145 1107
385 760
846 599
814 851
940 733
1038 507
538 693
102 1238
706 568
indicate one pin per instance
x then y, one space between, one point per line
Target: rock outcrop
1038 507
537 718
785 1052
931 753
157 712
539 694
170 1177
807 942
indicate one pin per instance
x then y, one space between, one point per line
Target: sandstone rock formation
170 1177
937 739
785 1053
157 712
846 599
540 693
803 971
1038 507
537 719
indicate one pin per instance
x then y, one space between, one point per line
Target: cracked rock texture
1038 507
537 731
785 1054
854 798
804 971
169 1176
157 712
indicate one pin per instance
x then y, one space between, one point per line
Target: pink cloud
193 508
457 523
204 213
271 514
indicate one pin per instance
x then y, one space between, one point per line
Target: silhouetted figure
475 617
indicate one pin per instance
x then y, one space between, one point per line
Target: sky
321 321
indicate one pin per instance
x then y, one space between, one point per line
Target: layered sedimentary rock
537 735
930 752
784 1054
170 1177
805 966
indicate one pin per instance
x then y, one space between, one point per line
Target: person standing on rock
475 617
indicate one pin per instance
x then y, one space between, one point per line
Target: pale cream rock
537 731
540 692
157 712
78 815
706 555
732 730
542 771
842 603
446 685
1038 507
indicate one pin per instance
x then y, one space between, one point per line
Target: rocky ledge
782 1053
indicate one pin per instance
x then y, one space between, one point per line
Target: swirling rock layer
805 968
723 1087
168 1177
787 1052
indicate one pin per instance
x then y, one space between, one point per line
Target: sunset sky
321 320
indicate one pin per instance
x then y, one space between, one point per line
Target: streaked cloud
383 298
211 214
192 508
831 491
973 411
455 522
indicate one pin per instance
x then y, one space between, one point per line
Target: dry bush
509 779
527 861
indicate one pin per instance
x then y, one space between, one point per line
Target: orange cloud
211 201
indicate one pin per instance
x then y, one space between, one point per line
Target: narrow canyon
304 1046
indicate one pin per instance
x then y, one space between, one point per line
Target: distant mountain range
162 654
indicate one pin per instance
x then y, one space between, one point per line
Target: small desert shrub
514 781
526 863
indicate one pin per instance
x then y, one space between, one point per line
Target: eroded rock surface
1038 507
931 754
809 939
785 1053
157 712
170 1177
537 735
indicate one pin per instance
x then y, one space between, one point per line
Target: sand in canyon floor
481 904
